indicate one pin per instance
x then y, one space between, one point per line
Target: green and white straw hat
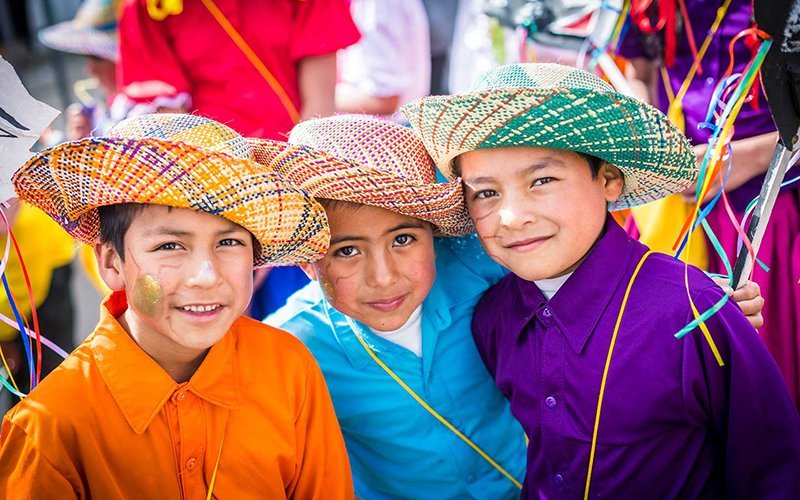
560 107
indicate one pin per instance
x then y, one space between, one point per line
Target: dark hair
114 223
328 203
594 164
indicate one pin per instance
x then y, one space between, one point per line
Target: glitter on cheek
147 294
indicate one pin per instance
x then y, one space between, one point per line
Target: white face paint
206 273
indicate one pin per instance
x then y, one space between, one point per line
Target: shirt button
181 396
709 81
546 312
558 479
471 478
191 463
550 402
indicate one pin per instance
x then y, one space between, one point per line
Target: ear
311 270
109 265
613 181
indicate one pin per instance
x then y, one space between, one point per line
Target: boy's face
537 211
380 265
187 276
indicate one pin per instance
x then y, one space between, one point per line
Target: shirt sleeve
147 66
747 403
23 468
321 27
323 469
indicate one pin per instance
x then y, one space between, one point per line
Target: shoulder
304 314
261 343
463 267
48 414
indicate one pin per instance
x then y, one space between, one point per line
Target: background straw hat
560 107
371 161
93 31
177 160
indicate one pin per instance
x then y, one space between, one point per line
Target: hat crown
369 142
194 130
539 75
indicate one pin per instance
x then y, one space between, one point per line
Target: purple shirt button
550 402
558 479
546 312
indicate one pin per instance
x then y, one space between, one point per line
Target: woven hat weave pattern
183 161
93 31
370 161
560 107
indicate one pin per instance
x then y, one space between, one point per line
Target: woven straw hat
177 160
93 31
560 107
371 161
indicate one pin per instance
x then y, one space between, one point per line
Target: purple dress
674 424
780 249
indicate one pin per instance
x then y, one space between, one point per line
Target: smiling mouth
528 244
388 305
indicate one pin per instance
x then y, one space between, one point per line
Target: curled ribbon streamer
34 315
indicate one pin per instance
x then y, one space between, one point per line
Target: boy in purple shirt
580 337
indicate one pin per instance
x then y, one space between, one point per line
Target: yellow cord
8 370
605 373
436 415
254 59
216 468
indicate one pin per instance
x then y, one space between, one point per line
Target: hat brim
70 181
653 155
329 177
74 39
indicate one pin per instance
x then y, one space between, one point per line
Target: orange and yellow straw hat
177 160
371 161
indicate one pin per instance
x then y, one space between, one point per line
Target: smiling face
187 276
380 265
537 211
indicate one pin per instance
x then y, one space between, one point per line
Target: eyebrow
417 224
547 161
177 233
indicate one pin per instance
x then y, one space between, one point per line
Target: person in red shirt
184 55
175 394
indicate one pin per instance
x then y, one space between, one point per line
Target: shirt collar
577 307
140 386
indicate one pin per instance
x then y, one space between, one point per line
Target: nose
514 212
205 273
382 270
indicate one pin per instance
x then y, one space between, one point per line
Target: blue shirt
397 448
674 424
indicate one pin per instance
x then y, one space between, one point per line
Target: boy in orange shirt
175 394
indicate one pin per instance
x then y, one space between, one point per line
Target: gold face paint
147 294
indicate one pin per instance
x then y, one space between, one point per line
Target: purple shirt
750 121
674 423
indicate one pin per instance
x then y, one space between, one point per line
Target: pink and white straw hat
367 160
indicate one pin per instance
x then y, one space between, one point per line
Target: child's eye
543 180
486 193
168 246
346 252
402 240
230 242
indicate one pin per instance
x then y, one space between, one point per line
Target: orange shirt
110 423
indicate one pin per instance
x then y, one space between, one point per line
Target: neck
179 363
